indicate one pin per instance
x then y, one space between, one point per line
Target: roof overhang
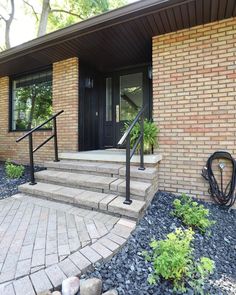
117 38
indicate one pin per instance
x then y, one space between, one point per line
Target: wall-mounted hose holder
222 193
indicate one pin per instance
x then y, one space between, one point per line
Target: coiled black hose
223 196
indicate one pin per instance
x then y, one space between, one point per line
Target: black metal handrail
32 150
130 153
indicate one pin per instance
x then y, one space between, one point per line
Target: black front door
88 108
126 93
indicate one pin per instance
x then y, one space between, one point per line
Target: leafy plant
14 171
201 271
172 260
150 130
191 213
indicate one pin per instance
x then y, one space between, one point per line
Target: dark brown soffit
115 39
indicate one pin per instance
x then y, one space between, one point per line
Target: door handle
117 113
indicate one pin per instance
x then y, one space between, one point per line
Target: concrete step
103 169
102 184
110 203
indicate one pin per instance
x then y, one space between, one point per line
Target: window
108 99
131 95
31 100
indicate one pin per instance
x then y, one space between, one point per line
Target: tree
33 104
51 15
75 11
54 16
8 21
46 9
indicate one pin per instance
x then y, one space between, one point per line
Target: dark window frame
10 102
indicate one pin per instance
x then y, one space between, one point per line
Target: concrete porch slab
109 155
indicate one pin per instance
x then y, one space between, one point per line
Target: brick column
4 94
66 97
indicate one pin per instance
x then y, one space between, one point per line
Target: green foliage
191 213
79 10
172 260
171 257
200 272
14 171
33 104
150 135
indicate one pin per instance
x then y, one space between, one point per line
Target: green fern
14 171
151 132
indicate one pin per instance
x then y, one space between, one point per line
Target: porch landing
109 155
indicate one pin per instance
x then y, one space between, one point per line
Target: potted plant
150 135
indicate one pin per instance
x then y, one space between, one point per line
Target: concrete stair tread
137 188
148 173
111 168
137 185
89 199
93 182
135 209
75 179
106 168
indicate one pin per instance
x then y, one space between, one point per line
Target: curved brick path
43 242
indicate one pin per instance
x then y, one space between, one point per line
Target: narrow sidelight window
31 100
108 99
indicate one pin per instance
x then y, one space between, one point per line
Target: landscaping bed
128 271
9 187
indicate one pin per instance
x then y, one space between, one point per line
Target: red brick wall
65 96
194 101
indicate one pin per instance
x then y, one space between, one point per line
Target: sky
23 26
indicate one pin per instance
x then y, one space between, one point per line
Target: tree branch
3 18
67 12
2 48
3 7
32 7
11 15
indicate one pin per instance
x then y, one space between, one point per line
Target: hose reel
221 193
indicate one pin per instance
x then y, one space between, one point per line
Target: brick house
176 56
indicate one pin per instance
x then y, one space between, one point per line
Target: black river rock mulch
9 187
128 272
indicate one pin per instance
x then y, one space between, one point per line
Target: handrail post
127 198
55 140
32 151
140 141
141 167
31 156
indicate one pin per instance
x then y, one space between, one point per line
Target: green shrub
172 260
14 171
191 213
150 131
200 273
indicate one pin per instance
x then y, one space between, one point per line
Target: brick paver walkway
42 242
